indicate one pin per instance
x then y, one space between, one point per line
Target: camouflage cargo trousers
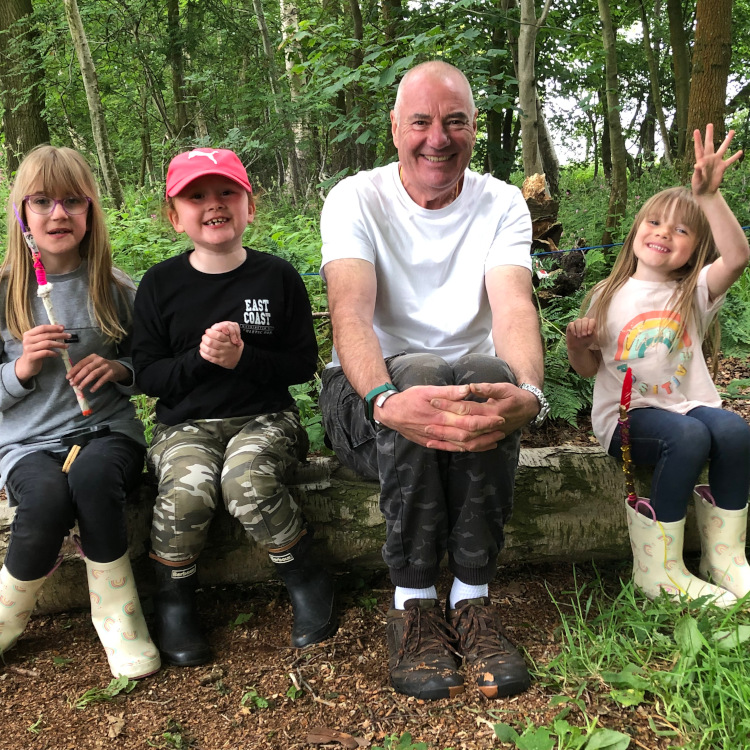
242 461
433 501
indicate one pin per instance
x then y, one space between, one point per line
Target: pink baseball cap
191 165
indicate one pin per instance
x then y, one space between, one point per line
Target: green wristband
369 399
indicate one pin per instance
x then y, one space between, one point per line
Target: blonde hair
59 171
680 203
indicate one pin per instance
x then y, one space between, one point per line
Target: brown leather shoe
499 669
422 655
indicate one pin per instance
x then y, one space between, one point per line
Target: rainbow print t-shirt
669 371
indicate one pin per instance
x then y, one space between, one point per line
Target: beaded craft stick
627 462
43 291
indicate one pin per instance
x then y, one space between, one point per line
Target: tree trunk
294 175
678 40
606 146
96 111
569 504
289 27
22 75
365 152
147 162
496 158
653 69
527 89
550 162
594 141
619 184
712 54
177 66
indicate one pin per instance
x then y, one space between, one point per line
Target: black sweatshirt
174 306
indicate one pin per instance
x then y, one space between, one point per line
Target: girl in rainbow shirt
652 314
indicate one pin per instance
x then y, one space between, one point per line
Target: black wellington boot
178 632
311 590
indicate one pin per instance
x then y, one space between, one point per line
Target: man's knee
409 370
482 368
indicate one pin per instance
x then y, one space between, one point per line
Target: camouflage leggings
245 460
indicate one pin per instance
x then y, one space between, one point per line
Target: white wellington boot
118 618
658 565
17 602
723 534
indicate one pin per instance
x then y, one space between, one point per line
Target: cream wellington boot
118 619
17 602
722 535
657 561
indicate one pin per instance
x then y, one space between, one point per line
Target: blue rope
557 252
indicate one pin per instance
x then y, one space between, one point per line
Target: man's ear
394 128
250 210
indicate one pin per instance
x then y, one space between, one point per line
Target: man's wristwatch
543 403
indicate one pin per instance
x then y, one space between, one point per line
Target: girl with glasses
55 198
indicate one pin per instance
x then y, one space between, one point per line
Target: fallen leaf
116 725
324 736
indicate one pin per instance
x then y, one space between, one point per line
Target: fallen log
568 506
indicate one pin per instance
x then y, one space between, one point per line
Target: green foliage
241 619
253 699
735 318
176 736
140 236
563 736
736 388
116 686
689 660
402 742
36 727
293 692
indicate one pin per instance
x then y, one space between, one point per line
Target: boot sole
317 637
194 661
432 694
505 690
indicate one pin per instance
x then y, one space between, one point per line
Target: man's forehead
429 90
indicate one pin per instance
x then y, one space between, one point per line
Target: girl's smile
662 246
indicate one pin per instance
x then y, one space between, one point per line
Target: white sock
461 591
402 595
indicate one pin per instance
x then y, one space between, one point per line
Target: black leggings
49 501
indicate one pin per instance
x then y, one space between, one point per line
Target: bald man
437 365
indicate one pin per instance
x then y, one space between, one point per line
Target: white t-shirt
639 336
429 264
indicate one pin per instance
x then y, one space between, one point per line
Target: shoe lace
426 632
479 632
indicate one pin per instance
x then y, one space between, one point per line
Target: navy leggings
678 447
49 502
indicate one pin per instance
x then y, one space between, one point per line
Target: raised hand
710 165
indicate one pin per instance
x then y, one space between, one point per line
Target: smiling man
436 367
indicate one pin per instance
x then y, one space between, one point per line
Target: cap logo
207 154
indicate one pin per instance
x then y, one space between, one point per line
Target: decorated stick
43 291
624 420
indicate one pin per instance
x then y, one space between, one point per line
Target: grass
685 665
